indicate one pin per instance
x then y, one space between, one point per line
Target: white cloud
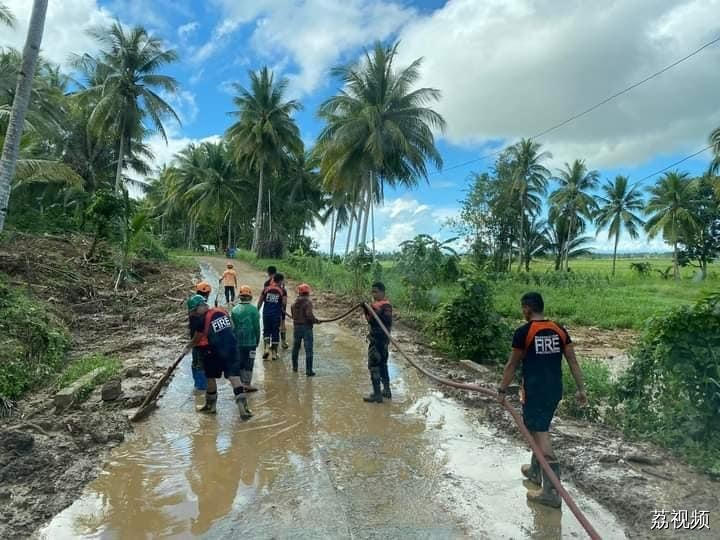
314 34
186 30
510 68
397 220
66 26
183 102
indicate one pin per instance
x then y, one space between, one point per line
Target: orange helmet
303 288
244 290
203 287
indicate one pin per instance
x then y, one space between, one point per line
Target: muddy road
316 462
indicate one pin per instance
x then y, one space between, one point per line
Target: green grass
33 342
588 296
85 364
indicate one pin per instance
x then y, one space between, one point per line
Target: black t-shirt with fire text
543 343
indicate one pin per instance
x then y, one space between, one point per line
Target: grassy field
587 296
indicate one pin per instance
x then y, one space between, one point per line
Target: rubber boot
241 402
309 366
386 393
283 338
532 471
376 396
266 348
246 378
210 406
547 495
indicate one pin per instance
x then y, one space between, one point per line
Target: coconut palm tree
671 210
218 187
529 178
379 128
617 211
561 245
123 86
572 199
11 144
265 132
6 16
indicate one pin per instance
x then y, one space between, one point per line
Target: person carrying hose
540 345
303 321
273 302
378 344
246 325
202 348
230 282
222 357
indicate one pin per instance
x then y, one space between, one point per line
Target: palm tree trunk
258 213
617 238
358 225
349 235
11 147
366 215
229 228
121 153
520 240
567 244
676 267
372 213
333 230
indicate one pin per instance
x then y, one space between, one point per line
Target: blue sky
506 68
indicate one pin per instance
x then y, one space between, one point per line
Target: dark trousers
303 333
378 359
229 294
271 328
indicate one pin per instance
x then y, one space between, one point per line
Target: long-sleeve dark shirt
302 312
383 308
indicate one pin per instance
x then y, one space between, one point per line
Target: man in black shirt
378 345
540 345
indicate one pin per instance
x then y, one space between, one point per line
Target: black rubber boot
547 495
532 471
266 348
376 396
386 393
210 406
309 367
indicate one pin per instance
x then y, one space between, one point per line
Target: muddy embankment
630 479
47 455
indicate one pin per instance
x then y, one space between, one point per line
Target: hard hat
203 287
303 288
194 301
244 290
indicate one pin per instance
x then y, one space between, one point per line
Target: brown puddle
316 462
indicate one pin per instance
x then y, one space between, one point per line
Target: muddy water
316 462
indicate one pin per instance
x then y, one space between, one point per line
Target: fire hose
518 420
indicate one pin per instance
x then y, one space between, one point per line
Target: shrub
598 386
34 342
469 325
671 392
641 268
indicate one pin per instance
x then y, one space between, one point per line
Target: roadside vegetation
522 225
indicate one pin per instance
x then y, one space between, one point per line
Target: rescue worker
271 272
221 360
378 344
273 302
540 345
230 282
303 321
198 352
246 325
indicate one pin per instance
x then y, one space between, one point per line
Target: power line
592 108
672 165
